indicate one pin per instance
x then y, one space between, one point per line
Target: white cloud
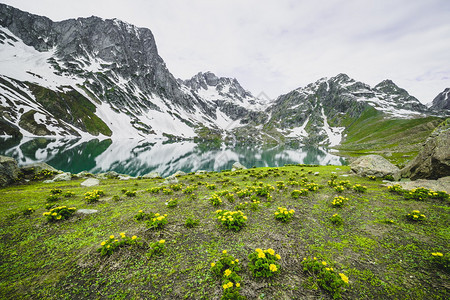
276 46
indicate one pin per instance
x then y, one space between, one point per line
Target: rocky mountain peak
441 101
388 86
225 86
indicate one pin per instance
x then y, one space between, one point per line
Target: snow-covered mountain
114 67
442 101
90 77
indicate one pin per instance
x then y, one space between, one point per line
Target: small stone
179 173
151 175
171 180
63 177
238 166
90 182
86 211
316 173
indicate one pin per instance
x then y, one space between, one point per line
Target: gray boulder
9 171
434 160
374 165
237 166
63 177
90 182
151 175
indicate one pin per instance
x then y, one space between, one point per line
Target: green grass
398 140
383 260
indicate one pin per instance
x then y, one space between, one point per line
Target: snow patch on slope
334 133
25 63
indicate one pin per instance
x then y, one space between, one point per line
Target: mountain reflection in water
139 157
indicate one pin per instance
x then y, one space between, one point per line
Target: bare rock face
374 165
433 161
9 171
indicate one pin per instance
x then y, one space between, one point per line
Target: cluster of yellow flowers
415 215
339 201
437 254
230 215
58 213
158 217
283 214
230 285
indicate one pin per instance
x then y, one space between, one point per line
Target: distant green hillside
396 139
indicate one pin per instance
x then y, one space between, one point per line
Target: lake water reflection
139 157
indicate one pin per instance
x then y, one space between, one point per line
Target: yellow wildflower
245 218
227 272
271 251
273 268
238 284
111 236
224 251
54 214
108 246
122 234
258 250
416 211
103 243
134 237
162 241
157 215
236 260
437 254
278 256
141 211
212 265
261 255
343 277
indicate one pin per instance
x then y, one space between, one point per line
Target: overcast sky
276 46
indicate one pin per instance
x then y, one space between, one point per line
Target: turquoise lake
139 157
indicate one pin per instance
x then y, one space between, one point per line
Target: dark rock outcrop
433 161
442 101
9 171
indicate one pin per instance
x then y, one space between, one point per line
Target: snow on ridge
299 131
334 133
20 61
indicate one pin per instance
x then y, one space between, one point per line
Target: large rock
434 160
32 169
9 171
374 165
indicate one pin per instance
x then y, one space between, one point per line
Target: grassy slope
382 260
396 139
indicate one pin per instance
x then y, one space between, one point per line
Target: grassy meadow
365 244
